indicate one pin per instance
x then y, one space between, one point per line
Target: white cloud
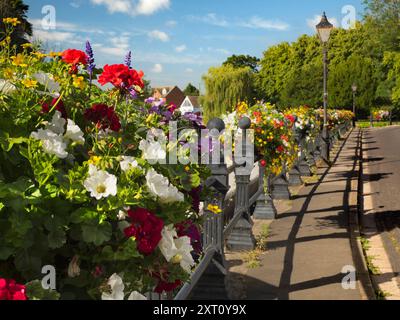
148 7
75 4
158 68
117 46
312 22
159 35
189 70
218 50
113 6
55 36
140 7
181 48
259 23
171 23
210 18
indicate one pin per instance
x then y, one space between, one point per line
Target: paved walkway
309 244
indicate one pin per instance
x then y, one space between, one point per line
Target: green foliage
35 291
225 87
243 61
191 90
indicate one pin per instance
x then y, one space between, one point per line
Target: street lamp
324 29
354 88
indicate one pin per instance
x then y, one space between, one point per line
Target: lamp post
354 88
324 29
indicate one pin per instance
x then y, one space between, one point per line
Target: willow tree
225 87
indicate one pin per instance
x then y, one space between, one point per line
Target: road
382 175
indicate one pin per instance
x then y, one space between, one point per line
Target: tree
225 87
303 86
191 90
357 70
242 61
383 18
15 9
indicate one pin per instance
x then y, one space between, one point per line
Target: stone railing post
303 164
265 208
294 173
214 277
241 236
280 186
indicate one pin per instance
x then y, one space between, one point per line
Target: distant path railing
235 230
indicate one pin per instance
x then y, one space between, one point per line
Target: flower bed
77 189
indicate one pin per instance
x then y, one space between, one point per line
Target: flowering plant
380 115
77 189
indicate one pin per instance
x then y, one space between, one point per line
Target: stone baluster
241 237
265 208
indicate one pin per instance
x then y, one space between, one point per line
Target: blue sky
176 41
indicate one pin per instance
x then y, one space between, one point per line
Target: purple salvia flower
89 52
128 59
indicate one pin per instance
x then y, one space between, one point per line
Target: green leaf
27 263
16 188
83 214
20 222
96 233
1 206
128 251
5 252
35 291
56 239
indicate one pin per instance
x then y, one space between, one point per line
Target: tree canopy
225 87
242 61
15 9
191 90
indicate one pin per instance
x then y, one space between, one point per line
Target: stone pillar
265 208
242 238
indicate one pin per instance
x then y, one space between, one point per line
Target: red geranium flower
146 228
75 57
104 117
10 290
291 118
60 107
263 163
167 287
280 149
120 76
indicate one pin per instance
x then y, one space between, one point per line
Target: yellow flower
13 21
78 82
95 160
29 83
187 168
19 60
39 55
27 45
8 73
54 54
214 209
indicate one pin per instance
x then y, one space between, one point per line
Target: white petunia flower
57 124
159 186
152 151
117 288
74 133
47 80
176 250
128 163
52 143
154 147
6 87
100 184
136 296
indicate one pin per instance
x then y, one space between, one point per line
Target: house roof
160 89
175 96
195 101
